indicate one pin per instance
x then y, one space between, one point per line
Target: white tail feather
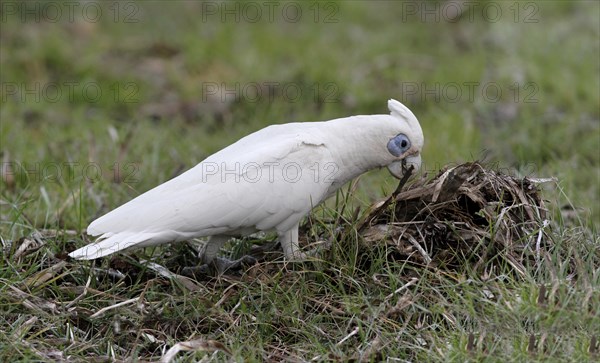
106 245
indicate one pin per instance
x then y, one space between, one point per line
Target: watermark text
253 92
70 11
455 92
71 91
470 11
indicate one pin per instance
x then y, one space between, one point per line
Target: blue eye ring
398 145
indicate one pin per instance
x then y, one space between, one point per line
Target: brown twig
378 210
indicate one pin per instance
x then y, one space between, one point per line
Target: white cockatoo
267 181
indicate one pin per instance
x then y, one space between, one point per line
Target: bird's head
405 146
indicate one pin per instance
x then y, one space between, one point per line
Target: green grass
155 119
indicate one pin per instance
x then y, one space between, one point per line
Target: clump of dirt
465 213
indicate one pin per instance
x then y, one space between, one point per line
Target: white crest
398 109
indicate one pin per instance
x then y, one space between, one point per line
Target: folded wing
262 182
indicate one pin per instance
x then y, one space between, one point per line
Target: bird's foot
299 256
219 266
313 254
223 265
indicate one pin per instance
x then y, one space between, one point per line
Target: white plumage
268 180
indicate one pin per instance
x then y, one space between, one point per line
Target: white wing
267 180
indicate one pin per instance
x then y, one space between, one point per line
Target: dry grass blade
164 272
403 287
27 244
36 304
122 303
350 335
24 328
194 345
45 275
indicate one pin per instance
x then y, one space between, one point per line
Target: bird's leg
212 248
291 248
213 263
289 243
221 264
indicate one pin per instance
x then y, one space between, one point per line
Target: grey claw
223 265
197 271
218 266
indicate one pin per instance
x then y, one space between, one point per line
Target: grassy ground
101 106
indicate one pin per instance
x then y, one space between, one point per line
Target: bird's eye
398 145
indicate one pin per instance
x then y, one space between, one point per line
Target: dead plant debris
466 212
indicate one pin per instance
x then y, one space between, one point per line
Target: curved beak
397 168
